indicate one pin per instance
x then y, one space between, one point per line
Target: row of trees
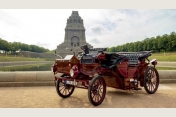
157 44
15 46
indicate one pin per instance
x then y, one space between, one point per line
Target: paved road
46 97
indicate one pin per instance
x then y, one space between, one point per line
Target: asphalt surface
47 97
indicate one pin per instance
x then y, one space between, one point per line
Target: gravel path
46 97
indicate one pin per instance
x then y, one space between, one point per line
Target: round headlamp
71 72
54 67
74 71
153 62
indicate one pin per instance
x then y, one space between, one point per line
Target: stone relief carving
74 19
74 32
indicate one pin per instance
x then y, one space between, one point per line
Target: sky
104 27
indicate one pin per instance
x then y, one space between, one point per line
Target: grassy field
168 56
8 58
29 67
165 68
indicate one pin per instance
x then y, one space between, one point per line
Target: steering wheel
85 49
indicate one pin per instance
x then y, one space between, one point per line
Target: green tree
4 45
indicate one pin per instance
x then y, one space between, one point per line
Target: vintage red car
94 69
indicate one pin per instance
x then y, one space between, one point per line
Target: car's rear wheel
151 80
97 90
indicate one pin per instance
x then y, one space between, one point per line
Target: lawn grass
165 68
28 67
168 56
11 58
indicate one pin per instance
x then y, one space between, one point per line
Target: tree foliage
15 46
157 44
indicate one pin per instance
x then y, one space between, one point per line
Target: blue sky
104 27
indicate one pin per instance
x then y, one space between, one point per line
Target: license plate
71 82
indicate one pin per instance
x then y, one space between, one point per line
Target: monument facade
74 36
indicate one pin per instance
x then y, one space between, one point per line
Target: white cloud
95 41
134 25
104 27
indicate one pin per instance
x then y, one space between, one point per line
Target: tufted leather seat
132 58
112 60
87 59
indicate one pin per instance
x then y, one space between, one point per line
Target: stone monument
74 36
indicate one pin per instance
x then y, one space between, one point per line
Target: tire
97 90
64 90
151 80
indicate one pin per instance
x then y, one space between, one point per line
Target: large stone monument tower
74 36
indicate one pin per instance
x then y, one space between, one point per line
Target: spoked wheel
64 90
97 90
151 80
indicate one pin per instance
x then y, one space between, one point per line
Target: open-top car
94 69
